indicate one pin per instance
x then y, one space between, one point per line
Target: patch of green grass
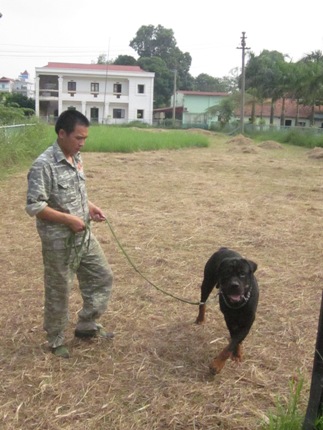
287 415
121 139
307 138
20 146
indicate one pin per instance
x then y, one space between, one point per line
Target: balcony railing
48 93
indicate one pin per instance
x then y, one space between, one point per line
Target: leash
70 245
140 273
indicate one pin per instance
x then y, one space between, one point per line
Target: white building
22 85
6 84
106 94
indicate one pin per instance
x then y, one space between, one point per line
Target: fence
9 129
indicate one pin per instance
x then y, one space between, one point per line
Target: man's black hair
69 119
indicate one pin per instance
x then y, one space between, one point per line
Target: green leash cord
70 245
143 276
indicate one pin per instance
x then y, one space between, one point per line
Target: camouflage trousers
95 278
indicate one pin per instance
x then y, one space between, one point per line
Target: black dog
238 297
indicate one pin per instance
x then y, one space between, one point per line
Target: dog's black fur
238 297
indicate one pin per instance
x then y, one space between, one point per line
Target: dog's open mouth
236 298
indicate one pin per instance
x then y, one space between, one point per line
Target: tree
313 57
163 83
19 100
265 74
158 52
230 83
125 60
153 41
159 42
225 109
205 82
311 86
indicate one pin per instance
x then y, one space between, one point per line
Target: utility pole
174 98
243 80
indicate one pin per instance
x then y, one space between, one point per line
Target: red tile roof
202 93
290 109
111 67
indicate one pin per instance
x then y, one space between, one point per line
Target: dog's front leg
206 289
218 363
230 351
237 353
201 315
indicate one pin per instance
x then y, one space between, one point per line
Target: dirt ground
170 210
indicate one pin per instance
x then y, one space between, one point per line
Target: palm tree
265 74
311 87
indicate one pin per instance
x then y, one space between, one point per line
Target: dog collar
246 300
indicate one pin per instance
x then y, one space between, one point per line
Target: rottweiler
238 288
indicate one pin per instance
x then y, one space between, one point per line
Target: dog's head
235 278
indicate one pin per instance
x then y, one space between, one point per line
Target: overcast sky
34 32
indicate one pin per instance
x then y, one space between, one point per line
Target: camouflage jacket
54 182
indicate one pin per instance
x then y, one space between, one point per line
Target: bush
11 115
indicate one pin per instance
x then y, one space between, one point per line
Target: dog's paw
237 355
201 315
236 359
216 366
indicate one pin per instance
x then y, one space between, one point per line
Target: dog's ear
253 265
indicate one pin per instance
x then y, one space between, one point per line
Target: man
57 197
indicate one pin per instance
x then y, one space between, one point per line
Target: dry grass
171 211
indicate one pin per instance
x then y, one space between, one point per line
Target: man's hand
96 213
75 223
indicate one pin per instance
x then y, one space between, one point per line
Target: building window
117 88
94 87
118 113
141 89
71 86
94 115
71 108
140 114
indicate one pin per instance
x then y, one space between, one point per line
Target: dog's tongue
235 298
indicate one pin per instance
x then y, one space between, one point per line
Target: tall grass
307 138
19 146
287 415
120 139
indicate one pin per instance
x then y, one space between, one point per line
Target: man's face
72 143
